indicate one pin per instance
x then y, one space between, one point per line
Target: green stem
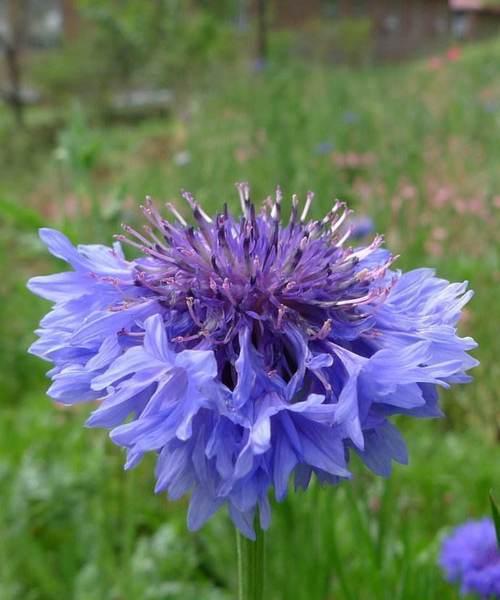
250 556
240 558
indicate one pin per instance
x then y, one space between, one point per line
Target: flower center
256 270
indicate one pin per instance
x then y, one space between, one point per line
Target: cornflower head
247 352
470 556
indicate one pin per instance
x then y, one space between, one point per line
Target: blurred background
393 106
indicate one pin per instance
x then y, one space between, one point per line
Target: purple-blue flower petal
246 353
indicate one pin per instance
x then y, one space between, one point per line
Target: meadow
416 148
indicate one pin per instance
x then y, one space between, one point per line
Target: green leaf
496 518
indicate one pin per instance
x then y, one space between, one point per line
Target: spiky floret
255 272
247 350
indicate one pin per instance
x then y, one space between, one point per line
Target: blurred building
37 23
475 18
390 29
27 25
401 28
396 28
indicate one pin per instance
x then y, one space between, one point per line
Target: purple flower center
259 273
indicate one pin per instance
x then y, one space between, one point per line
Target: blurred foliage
346 40
495 513
353 39
130 44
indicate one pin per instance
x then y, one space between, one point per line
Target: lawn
416 148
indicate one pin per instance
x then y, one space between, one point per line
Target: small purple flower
350 117
247 352
324 148
361 227
470 556
490 106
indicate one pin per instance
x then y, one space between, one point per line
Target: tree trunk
71 19
13 94
262 32
17 21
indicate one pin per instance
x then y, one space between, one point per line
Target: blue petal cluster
470 556
249 352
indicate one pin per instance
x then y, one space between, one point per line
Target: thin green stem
240 559
250 555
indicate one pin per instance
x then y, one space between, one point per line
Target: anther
176 214
190 305
293 213
307 206
343 238
276 209
226 286
281 314
244 193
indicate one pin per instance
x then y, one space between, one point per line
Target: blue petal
264 513
244 521
98 325
201 507
109 350
61 286
115 408
383 445
319 361
200 364
59 246
132 361
322 447
246 373
155 340
174 471
347 408
71 386
284 461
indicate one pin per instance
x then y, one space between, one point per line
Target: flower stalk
251 565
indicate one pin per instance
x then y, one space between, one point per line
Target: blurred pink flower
439 233
434 248
353 160
408 191
441 196
435 63
454 53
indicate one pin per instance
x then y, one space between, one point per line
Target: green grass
72 524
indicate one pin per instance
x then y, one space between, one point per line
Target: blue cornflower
248 352
324 148
351 117
470 556
361 227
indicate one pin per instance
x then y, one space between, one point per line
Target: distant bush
345 40
353 38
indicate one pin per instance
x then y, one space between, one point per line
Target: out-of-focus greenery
353 38
348 40
130 44
415 147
